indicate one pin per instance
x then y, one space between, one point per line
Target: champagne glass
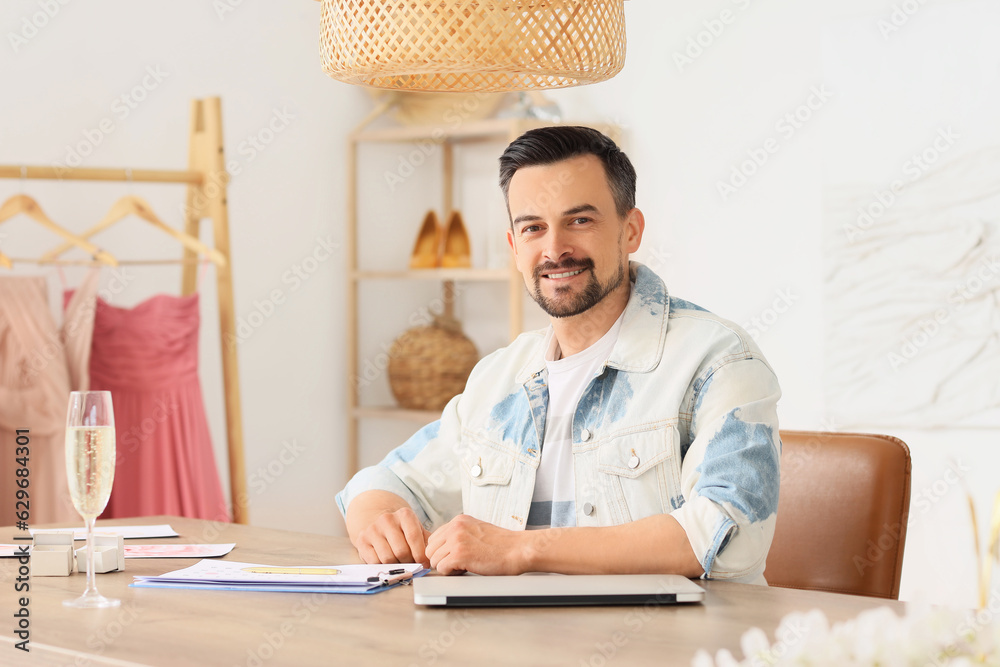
90 470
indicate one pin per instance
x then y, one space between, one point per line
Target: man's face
568 241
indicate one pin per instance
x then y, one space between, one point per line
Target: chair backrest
842 513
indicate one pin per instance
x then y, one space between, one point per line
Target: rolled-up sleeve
423 471
731 470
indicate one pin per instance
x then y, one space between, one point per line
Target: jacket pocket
640 473
488 471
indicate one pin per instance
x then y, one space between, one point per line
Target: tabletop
204 627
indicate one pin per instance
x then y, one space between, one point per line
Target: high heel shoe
456 253
427 250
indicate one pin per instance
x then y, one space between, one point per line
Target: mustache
567 265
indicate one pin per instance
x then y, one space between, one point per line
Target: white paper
11 550
128 532
177 550
148 550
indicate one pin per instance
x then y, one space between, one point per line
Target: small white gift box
109 554
52 554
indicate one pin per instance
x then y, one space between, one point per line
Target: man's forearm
367 507
654 545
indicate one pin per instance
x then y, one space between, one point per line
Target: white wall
687 127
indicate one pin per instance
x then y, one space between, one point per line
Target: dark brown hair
547 145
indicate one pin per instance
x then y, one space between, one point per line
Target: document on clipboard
234 576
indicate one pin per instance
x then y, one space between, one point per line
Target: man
637 433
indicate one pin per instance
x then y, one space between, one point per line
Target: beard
573 304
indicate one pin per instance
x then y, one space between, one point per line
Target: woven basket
472 45
430 365
418 108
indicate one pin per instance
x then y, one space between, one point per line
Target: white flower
725 659
875 638
754 644
702 659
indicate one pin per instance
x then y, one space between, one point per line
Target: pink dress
147 356
40 363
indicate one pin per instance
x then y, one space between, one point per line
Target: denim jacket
681 420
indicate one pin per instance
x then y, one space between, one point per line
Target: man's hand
384 529
465 544
394 537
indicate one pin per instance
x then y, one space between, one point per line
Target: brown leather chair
842 513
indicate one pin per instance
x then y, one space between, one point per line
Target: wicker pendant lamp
472 45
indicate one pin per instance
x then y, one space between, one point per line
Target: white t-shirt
553 503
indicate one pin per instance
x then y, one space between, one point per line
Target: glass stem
91 578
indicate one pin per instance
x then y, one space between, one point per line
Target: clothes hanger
5 261
22 203
134 205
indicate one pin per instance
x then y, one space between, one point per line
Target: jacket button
476 470
633 461
585 434
588 509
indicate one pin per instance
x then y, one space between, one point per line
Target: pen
378 578
389 580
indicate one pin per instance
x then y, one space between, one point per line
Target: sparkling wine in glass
90 469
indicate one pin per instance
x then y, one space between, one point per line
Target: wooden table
193 627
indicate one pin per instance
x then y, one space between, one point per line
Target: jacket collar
640 341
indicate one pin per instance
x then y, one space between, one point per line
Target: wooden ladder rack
206 179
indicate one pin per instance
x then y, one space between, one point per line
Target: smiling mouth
566 274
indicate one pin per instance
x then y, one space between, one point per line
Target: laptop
530 590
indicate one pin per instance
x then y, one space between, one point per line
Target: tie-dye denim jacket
681 420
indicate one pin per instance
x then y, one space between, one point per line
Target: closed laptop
555 590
